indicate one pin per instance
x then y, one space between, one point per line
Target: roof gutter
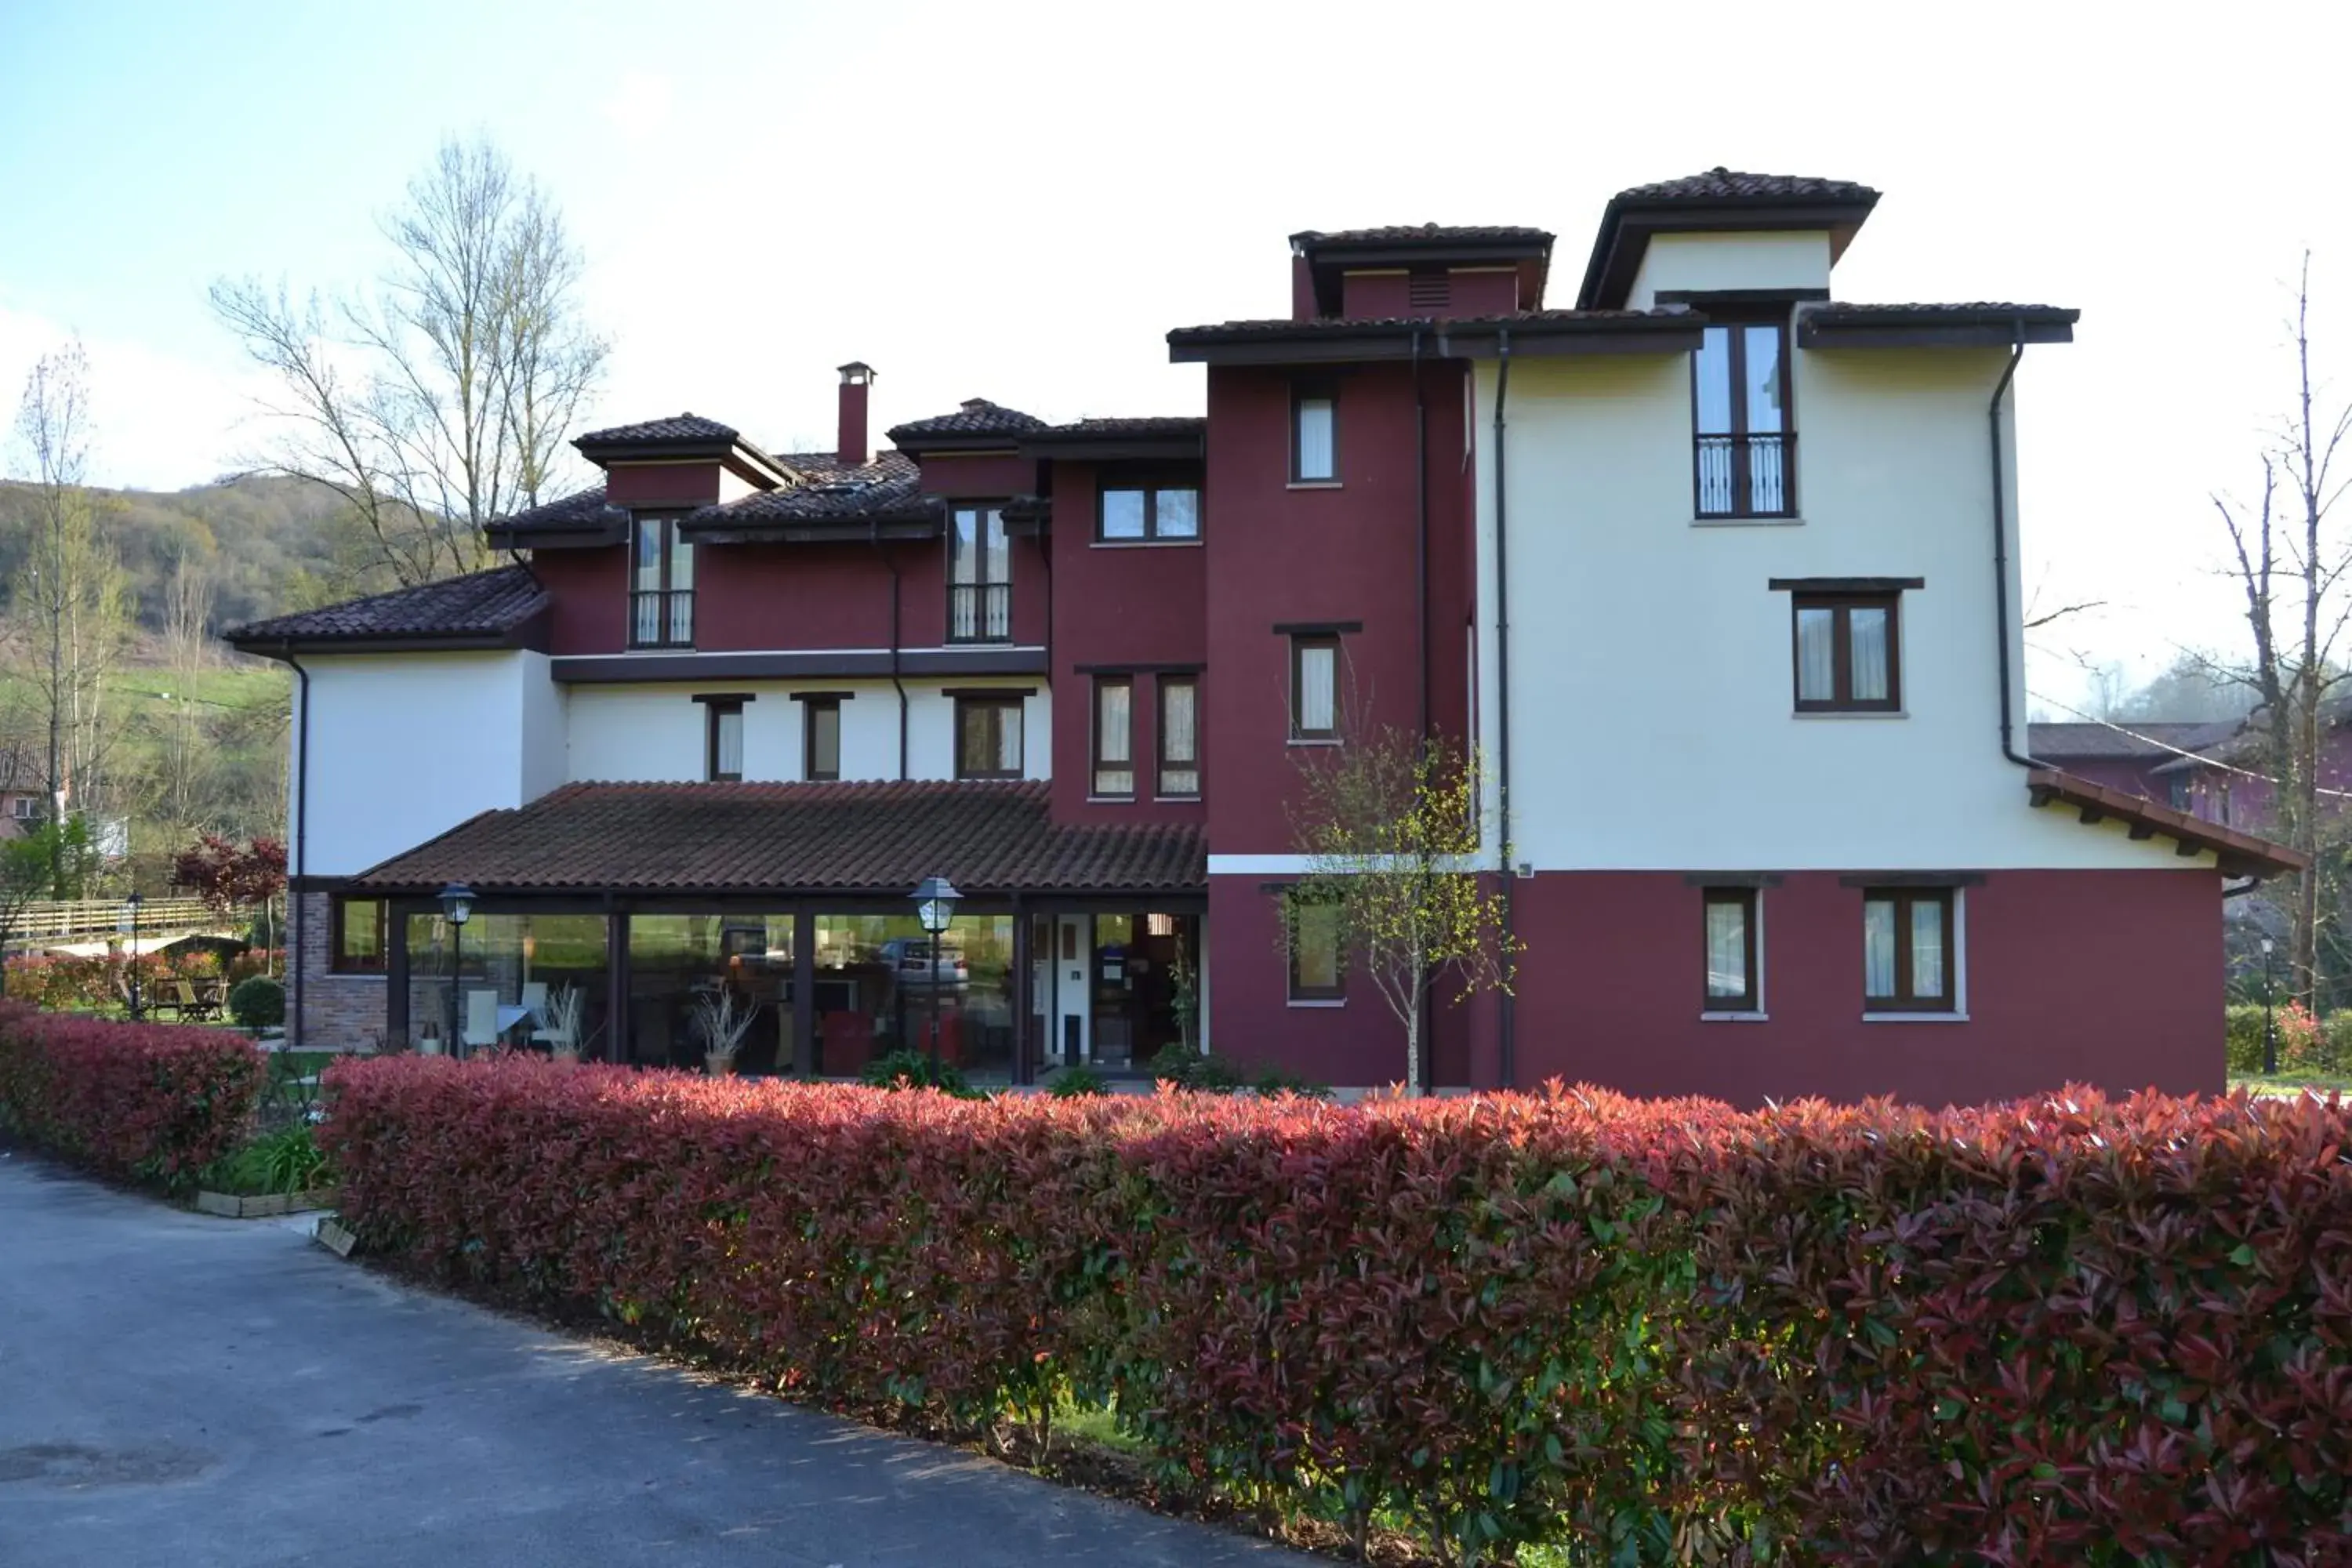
2001 553
1508 1032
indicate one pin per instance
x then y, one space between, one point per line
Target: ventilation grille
1429 290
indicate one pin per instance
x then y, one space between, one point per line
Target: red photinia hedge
2064 1331
140 1100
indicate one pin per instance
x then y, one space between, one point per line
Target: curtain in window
1318 689
1317 458
963 547
1878 947
1179 745
1114 738
1927 949
1763 388
1869 636
1727 950
1008 738
727 761
1817 656
649 553
1315 956
824 761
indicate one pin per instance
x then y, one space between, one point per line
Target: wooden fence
68 919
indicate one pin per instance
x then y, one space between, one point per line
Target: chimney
851 451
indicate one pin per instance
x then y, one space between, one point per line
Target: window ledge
1310 740
1314 485
1914 1017
1318 1002
1111 800
1177 799
1734 1017
1748 522
1146 544
1897 713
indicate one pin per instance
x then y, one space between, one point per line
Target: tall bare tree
2290 557
442 402
184 757
70 587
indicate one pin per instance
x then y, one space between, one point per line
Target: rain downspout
874 537
1509 1040
1420 513
297 923
2001 553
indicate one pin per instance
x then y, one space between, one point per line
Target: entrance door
1114 990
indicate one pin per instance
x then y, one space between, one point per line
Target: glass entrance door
1113 1021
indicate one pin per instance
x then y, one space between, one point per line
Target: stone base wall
340 1012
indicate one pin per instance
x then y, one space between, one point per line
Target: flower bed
59 981
2070 1330
139 1102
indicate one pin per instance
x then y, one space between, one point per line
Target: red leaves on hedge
139 1102
2064 1330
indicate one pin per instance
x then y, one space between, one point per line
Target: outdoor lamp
935 901
130 909
457 906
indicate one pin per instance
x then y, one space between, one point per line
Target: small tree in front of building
231 877
1391 827
28 865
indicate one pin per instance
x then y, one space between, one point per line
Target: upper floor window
1314 433
820 738
1745 442
980 576
987 737
1179 736
1849 658
1114 758
1315 687
723 743
1908 951
661 586
1143 511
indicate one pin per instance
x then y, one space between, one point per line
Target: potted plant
429 1042
722 1022
562 1017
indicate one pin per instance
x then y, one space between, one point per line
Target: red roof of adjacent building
790 839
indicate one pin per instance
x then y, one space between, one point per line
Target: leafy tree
28 865
230 879
1391 826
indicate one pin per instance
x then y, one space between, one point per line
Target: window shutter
1429 289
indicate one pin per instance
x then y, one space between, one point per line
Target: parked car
908 959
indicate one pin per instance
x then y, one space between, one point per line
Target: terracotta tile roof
1286 326
781 838
480 610
827 466
581 509
978 416
689 427
1428 233
1112 429
2241 854
2154 739
1721 185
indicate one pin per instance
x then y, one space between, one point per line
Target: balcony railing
1748 476
979 612
661 617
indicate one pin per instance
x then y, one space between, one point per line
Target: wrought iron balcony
1748 476
979 612
661 617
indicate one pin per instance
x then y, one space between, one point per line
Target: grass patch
2292 1084
1096 1425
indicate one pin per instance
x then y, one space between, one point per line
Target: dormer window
980 575
1744 439
661 584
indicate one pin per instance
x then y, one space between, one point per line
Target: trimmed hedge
2068 1331
141 1101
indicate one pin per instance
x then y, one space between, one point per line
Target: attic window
1429 289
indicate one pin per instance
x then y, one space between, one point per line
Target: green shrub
2303 1046
1181 1067
1072 1082
286 1160
257 1002
904 1068
1279 1080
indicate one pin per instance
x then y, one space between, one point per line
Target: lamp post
130 913
456 908
2270 1035
935 901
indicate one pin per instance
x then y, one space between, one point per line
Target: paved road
186 1391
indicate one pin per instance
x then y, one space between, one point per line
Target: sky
1017 201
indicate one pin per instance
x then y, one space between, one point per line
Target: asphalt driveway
181 1390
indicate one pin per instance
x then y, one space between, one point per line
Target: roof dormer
1431 270
1721 233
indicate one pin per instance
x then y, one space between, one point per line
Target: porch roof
794 839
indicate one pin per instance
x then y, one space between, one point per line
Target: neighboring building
2227 782
20 809
2137 758
1743 725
